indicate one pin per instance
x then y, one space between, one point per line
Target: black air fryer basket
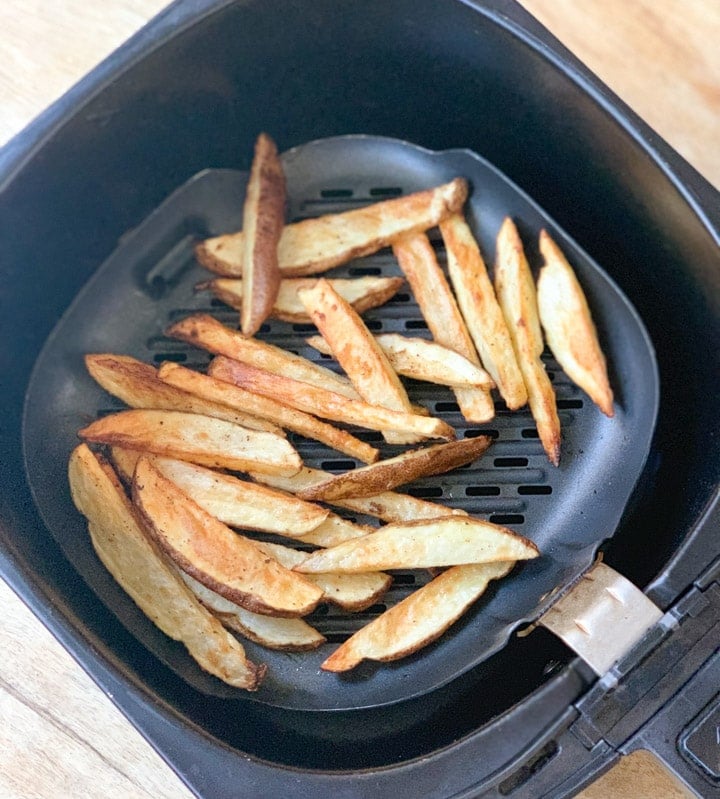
101 202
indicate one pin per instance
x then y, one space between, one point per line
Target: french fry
419 619
332 530
425 360
326 404
404 468
316 245
448 541
444 320
137 384
202 330
232 396
388 505
515 289
363 293
569 328
273 632
480 309
353 592
263 222
152 583
356 350
241 504
210 552
200 439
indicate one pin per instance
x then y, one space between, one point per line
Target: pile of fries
187 490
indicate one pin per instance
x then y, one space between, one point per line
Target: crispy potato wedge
569 328
388 505
207 333
141 570
316 245
326 404
421 618
356 350
233 396
210 552
334 530
438 306
273 632
448 541
404 468
363 293
192 437
353 592
515 289
241 504
263 223
481 311
137 384
425 360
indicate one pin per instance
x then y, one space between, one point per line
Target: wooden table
60 736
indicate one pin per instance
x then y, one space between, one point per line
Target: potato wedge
137 384
263 222
326 404
363 293
316 245
425 360
232 396
392 472
388 505
356 350
352 592
419 619
241 504
210 552
193 437
142 571
449 541
481 311
205 332
334 530
515 289
569 327
444 320
273 632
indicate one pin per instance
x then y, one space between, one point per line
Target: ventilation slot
507 518
386 191
482 491
535 490
508 463
335 194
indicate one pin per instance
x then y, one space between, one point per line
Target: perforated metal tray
569 511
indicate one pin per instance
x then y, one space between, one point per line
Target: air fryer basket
191 92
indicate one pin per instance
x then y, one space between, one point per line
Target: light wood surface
60 736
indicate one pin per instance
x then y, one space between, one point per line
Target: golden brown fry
480 309
356 350
569 328
200 439
210 552
326 404
137 384
293 419
404 468
353 592
315 245
388 505
444 320
273 632
205 332
263 222
144 574
516 294
419 619
363 293
449 541
334 530
241 504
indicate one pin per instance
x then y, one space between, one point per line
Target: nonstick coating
568 511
